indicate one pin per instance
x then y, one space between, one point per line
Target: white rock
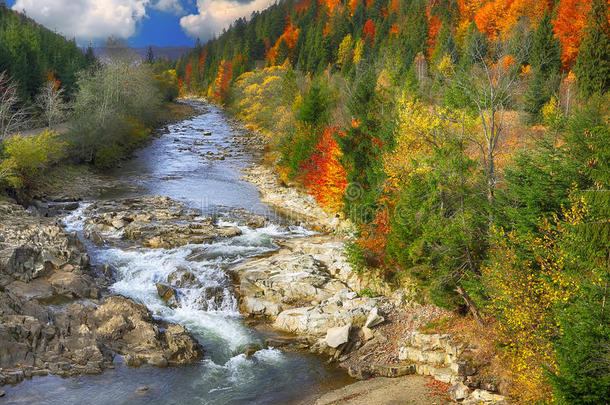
487 397
337 336
374 318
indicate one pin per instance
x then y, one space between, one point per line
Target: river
186 165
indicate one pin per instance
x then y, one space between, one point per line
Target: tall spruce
593 62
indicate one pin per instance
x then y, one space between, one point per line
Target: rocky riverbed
55 316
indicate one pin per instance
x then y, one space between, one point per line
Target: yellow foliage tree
527 280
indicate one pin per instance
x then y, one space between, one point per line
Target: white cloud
214 15
87 19
170 6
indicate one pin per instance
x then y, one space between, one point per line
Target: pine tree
546 50
150 56
545 61
593 62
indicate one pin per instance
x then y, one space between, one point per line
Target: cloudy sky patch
96 20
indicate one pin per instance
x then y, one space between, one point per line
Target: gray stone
158 360
459 391
374 318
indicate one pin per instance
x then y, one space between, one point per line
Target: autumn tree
223 79
569 28
491 85
324 175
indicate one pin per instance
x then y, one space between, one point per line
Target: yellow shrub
26 157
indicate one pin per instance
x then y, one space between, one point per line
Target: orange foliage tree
395 30
569 28
374 236
324 176
352 6
434 23
395 6
289 39
498 17
223 79
331 4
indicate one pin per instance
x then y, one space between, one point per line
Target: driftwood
470 305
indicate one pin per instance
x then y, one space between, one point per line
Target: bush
111 102
108 156
26 157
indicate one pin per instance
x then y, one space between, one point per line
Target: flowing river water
183 164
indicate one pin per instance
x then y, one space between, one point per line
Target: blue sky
139 22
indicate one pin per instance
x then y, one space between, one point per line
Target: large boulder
336 336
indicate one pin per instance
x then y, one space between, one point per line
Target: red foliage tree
324 176
201 62
188 72
223 79
368 34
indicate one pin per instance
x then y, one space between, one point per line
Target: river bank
309 289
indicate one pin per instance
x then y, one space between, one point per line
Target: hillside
29 53
466 141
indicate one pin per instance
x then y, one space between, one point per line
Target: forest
468 143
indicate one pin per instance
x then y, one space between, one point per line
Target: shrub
26 157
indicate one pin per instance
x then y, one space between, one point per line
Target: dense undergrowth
468 143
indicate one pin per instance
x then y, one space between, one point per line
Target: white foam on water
209 308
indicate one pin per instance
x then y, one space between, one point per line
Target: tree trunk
470 305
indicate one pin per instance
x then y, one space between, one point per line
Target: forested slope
30 52
467 140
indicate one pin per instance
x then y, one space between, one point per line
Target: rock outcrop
41 264
439 356
296 291
83 338
40 260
